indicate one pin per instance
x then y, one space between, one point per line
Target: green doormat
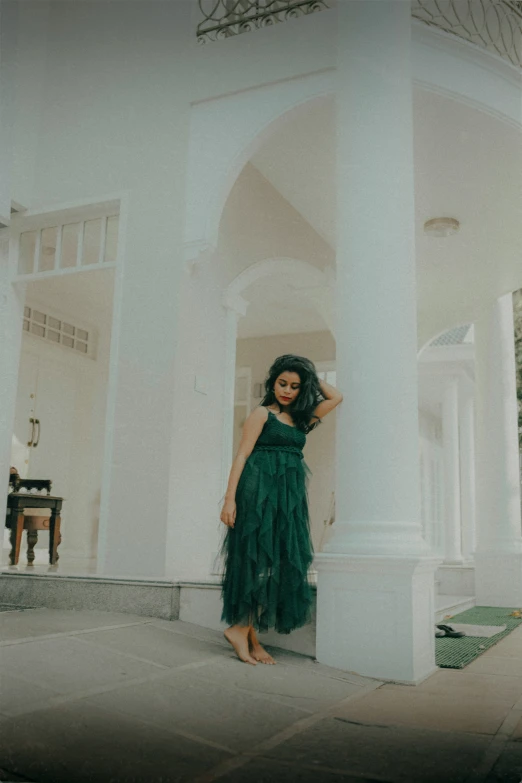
457 653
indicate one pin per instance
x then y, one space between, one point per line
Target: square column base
376 615
498 579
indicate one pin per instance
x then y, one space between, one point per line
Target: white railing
495 25
224 18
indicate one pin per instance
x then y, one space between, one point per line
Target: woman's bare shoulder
260 413
256 420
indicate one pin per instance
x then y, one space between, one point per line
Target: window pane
111 239
82 334
67 328
70 235
26 326
53 323
39 330
82 347
48 249
27 312
91 241
68 341
27 248
38 316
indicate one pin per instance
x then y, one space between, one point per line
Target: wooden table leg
32 540
17 527
55 536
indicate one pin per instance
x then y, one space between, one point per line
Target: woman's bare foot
237 636
257 650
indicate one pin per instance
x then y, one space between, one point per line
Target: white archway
241 124
315 285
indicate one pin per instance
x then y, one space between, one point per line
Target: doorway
63 377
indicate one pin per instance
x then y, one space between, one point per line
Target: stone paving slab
66 665
508 768
235 720
154 644
468 684
43 622
16 692
288 685
497 664
5 775
442 711
269 771
393 753
82 743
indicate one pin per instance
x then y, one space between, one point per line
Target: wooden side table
17 503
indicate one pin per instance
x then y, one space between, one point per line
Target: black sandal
449 631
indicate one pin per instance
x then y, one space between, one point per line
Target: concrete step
451 604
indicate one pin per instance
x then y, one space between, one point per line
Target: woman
267 547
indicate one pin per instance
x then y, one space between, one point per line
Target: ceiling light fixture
441 227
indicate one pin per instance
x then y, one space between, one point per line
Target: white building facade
186 195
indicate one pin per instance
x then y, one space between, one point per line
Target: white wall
111 115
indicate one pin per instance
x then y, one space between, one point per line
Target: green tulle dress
268 552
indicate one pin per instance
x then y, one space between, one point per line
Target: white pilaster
450 440
135 488
203 394
8 54
236 307
467 477
375 583
11 310
498 559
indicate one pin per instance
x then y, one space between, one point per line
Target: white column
375 580
11 310
467 477
498 558
450 442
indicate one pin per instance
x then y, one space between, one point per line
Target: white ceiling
300 163
467 165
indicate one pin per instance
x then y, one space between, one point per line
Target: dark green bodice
279 436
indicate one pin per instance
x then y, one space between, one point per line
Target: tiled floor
94 696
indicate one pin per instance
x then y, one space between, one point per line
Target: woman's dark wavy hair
309 395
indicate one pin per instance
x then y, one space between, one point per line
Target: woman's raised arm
332 399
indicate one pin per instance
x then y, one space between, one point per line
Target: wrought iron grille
495 25
224 18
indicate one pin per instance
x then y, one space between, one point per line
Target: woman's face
287 388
